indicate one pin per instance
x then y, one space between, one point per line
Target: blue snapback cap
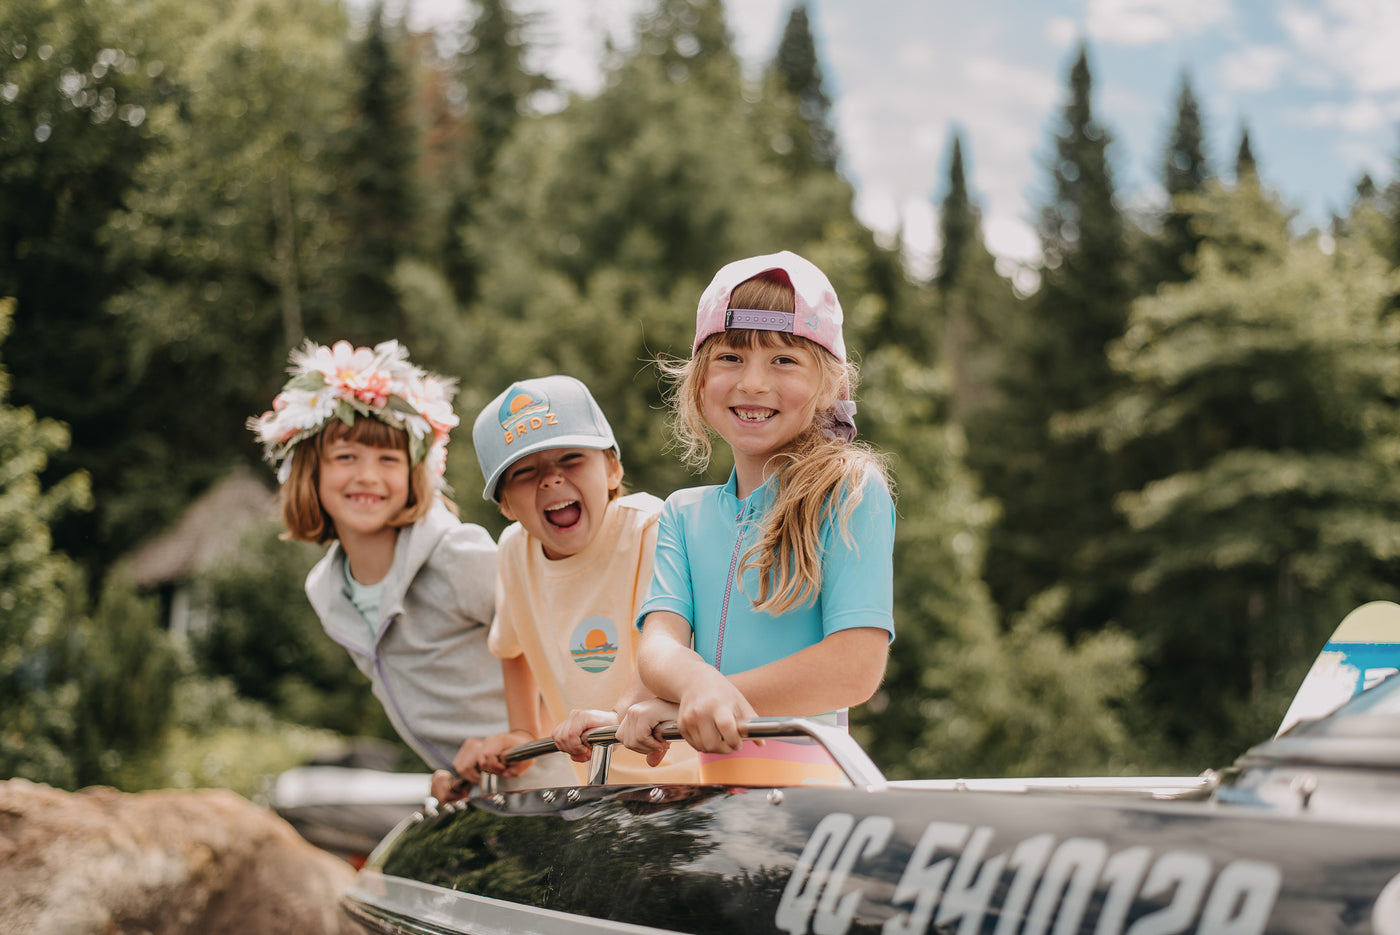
534 415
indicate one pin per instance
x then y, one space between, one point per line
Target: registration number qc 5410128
1041 885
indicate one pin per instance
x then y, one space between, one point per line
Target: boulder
169 862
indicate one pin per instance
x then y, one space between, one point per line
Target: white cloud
1141 22
1062 32
1365 156
1355 40
1361 116
896 123
1254 68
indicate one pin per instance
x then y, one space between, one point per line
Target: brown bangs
306 520
365 431
746 339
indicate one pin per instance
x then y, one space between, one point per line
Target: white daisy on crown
346 382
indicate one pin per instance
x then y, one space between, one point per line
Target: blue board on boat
1362 651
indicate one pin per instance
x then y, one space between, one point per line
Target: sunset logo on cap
593 644
522 411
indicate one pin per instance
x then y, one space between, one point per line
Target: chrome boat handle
853 761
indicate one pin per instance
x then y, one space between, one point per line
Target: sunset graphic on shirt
593 644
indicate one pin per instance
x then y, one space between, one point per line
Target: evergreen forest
1133 503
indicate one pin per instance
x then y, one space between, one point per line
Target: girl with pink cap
772 594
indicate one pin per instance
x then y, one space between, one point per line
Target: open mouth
749 414
564 515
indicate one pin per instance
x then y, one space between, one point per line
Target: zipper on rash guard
729 584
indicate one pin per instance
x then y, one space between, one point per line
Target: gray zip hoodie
429 664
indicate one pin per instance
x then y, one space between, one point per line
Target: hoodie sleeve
470 554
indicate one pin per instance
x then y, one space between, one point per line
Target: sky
1316 82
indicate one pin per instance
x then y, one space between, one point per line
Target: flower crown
346 382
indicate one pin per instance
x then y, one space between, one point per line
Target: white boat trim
426 908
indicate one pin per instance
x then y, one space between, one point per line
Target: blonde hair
306 520
811 477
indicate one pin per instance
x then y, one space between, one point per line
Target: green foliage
263 636
1246 166
219 739
76 694
1259 401
1027 703
959 697
126 665
976 305
73 127
498 87
689 41
40 596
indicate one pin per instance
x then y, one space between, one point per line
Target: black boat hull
715 861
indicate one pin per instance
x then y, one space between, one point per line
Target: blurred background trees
1133 503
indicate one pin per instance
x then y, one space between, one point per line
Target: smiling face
560 496
759 398
362 488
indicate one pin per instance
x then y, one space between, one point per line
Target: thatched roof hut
207 533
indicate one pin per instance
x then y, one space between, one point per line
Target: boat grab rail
848 755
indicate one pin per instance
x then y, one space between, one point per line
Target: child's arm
710 706
842 670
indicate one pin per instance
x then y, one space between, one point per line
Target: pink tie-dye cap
817 314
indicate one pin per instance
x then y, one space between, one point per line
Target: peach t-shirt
572 619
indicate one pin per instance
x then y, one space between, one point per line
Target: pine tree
1185 172
1245 166
975 302
798 72
1057 493
958 222
497 85
381 207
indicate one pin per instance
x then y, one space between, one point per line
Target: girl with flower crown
773 593
359 438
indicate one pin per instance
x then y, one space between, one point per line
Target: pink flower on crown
371 388
344 380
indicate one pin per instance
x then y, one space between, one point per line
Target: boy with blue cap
573 569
